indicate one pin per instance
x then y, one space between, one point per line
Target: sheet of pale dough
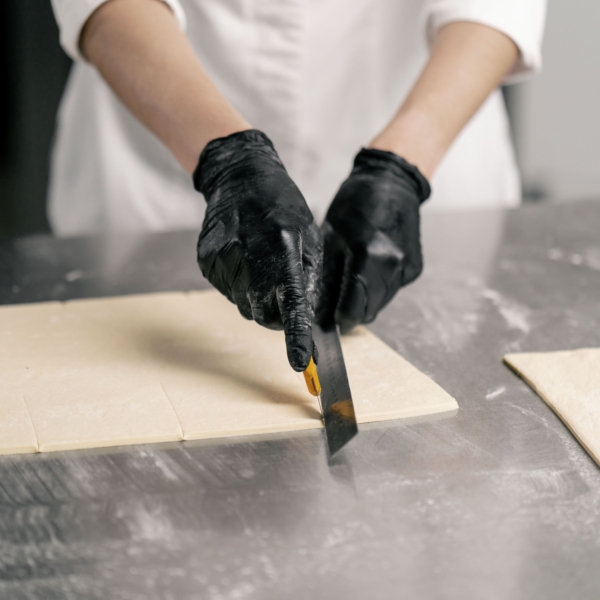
16 431
173 366
81 385
569 382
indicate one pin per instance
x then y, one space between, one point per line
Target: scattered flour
74 275
590 258
516 315
495 393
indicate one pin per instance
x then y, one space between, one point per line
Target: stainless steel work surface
496 502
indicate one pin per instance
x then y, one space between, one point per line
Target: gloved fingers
333 271
265 309
295 314
293 305
312 263
353 296
217 264
240 299
384 271
413 261
372 276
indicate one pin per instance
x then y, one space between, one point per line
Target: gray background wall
557 114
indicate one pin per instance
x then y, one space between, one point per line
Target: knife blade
337 407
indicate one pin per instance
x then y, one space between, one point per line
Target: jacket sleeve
71 16
521 20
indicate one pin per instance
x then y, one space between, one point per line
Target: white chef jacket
319 77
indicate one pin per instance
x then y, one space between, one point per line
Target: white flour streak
164 467
151 526
590 258
515 314
495 393
161 462
555 254
74 275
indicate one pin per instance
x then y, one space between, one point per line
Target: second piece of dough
569 382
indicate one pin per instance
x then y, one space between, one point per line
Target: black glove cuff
222 154
373 159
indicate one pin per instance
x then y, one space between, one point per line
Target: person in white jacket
413 81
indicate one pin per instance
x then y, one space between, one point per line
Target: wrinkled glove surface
372 239
259 244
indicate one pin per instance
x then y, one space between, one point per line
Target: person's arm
467 62
146 59
372 239
259 244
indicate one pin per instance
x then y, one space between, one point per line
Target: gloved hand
259 244
372 241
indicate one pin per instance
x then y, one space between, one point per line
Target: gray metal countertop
496 502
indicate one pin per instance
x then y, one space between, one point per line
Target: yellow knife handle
312 378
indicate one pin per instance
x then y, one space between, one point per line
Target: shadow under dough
190 354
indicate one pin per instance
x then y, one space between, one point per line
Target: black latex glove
259 244
372 241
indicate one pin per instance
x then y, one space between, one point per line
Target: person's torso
319 77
